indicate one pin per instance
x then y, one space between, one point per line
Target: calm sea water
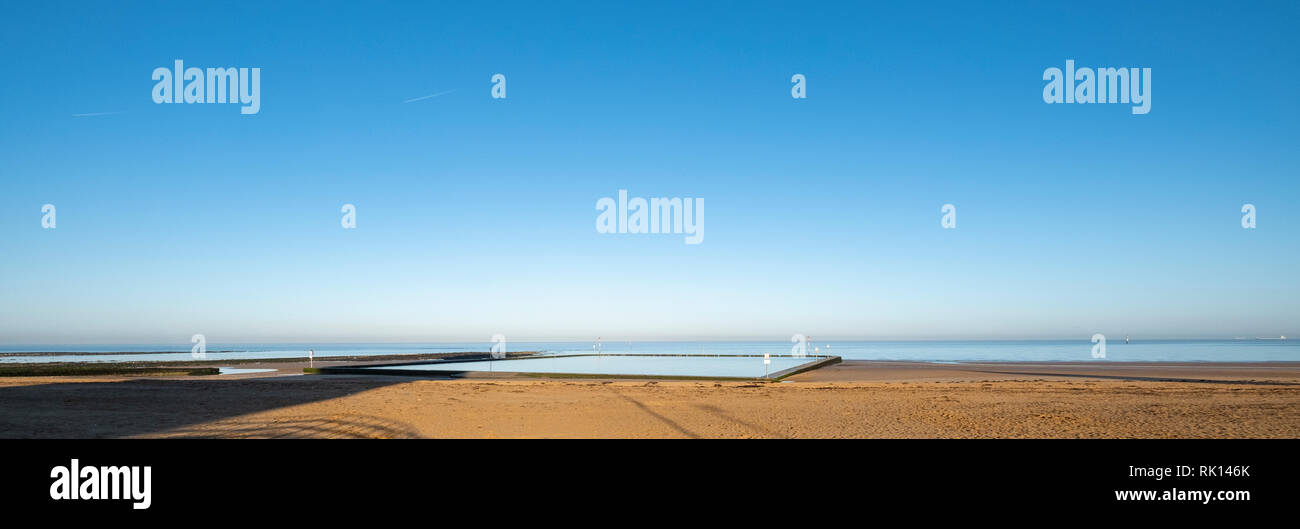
923 351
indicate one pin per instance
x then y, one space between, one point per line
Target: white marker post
767 361
311 358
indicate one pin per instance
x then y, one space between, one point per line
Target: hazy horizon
614 341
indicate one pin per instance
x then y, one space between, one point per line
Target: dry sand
853 399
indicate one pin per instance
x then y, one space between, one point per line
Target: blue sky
476 216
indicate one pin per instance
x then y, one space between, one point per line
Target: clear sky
477 216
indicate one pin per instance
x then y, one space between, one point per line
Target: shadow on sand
190 408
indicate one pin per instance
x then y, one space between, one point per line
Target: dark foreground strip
681 481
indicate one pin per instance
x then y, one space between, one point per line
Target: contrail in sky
412 100
93 114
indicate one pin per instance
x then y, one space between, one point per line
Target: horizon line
1282 337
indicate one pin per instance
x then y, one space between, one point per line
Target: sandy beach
850 400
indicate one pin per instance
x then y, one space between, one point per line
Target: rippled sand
855 399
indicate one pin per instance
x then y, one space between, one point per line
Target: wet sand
852 399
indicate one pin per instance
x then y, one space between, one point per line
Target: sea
945 351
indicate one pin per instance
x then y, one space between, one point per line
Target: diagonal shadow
671 423
186 408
